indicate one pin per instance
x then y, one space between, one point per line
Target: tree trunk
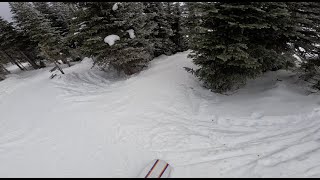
33 64
12 60
21 64
56 63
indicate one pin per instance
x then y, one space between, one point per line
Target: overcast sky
5 11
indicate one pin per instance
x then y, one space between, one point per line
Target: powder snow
87 123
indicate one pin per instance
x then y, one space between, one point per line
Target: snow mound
85 65
111 39
131 33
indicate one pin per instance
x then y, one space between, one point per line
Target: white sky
5 11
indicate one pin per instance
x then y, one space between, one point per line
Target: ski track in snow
94 126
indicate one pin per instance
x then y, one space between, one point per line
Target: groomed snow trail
88 124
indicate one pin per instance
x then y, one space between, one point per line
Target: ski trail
87 124
187 130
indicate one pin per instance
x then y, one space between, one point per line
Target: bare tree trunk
18 59
21 64
12 60
56 63
33 64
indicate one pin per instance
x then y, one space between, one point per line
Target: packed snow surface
90 124
131 33
111 39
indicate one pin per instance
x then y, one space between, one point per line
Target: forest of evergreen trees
229 41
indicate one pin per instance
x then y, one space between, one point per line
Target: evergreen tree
133 49
76 37
3 70
269 31
90 26
305 17
184 24
306 40
64 11
230 46
36 26
64 14
55 15
178 37
15 45
73 6
161 29
98 20
190 10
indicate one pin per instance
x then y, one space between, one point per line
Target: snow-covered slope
88 124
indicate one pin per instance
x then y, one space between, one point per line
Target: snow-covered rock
111 39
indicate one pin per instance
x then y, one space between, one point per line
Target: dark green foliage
176 21
192 20
231 41
306 40
129 55
305 19
35 25
161 29
270 35
56 14
8 37
59 15
236 41
15 43
98 20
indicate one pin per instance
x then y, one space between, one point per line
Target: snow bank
111 39
131 33
84 125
